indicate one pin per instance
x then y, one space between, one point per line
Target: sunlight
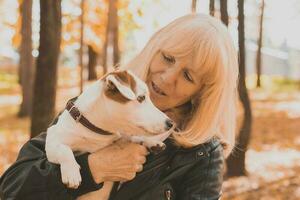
9 99
273 146
269 164
292 108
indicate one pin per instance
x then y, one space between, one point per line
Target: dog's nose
169 124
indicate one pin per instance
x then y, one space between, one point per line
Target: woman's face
171 81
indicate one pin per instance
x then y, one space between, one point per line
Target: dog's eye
141 98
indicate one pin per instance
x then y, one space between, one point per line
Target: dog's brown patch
124 78
115 95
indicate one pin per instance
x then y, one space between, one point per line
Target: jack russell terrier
114 107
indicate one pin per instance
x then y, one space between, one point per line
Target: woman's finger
142 159
143 150
139 168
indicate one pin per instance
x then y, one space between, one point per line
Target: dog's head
129 107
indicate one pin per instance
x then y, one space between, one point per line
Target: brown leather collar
78 117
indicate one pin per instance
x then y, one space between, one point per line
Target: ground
273 160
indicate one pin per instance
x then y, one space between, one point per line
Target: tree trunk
92 63
47 61
212 7
224 13
259 45
81 45
26 66
104 58
236 161
115 30
194 6
111 36
107 36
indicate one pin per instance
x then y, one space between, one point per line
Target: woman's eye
187 76
168 58
141 98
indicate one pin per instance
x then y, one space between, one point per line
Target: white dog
116 106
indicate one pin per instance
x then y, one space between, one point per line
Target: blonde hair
207 40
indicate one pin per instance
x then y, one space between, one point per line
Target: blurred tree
259 44
212 7
194 6
112 35
26 67
94 21
81 43
224 13
95 24
106 41
92 74
115 30
236 161
46 69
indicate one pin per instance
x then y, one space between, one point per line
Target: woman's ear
113 84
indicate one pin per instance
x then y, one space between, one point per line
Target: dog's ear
112 83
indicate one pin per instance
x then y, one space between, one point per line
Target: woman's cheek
185 90
156 65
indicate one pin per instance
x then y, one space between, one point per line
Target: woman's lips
157 89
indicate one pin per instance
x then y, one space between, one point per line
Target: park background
82 39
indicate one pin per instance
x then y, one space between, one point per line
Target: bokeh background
51 49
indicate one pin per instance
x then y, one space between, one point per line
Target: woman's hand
119 161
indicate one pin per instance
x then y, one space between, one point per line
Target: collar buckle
76 114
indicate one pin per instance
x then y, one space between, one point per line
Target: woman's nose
170 75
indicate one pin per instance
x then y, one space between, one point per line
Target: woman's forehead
197 54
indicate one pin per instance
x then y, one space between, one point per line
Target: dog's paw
155 146
159 147
70 174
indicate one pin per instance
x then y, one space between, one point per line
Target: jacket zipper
168 194
142 173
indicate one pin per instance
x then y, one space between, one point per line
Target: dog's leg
70 170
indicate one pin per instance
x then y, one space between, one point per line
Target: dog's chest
90 143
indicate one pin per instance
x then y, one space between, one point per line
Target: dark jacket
176 173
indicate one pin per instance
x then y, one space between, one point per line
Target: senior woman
190 67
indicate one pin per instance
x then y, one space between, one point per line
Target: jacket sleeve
204 181
33 177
